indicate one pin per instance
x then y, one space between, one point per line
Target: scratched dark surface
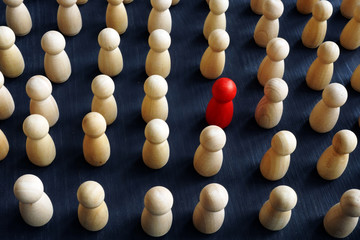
125 178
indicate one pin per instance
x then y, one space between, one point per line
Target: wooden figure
155 104
273 65
156 151
209 213
69 17
56 61
93 213
160 16
276 161
256 6
4 146
40 147
350 35
355 79
269 110
128 1
7 105
326 112
103 102
39 89
208 157
35 206
321 70
174 2
81 2
220 109
305 6
216 19
267 27
157 217
110 60
96 146
333 161
116 16
347 7
213 60
275 214
18 17
341 220
158 60
315 30
11 60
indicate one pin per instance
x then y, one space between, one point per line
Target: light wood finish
209 213
158 60
96 146
256 6
81 2
40 147
213 60
11 60
276 161
321 70
4 146
305 6
275 214
69 17
160 16
116 16
7 105
128 1
326 112
315 30
110 60
216 19
355 79
174 2
156 218
56 61
350 35
347 7
35 206
273 65
103 102
267 27
342 218
18 17
208 157
93 213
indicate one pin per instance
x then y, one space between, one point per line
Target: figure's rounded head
276 90
155 87
213 138
322 10
273 9
13 3
284 142
90 194
334 95
158 200
350 202
344 141
219 40
218 6
53 42
161 5
7 37
38 87
283 198
156 131
224 90
109 39
214 197
328 52
102 86
277 49
36 126
28 188
159 40
94 124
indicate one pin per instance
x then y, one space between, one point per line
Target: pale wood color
305 6
174 2
315 29
275 214
39 90
156 151
93 213
103 102
209 213
40 147
35 206
347 7
110 60
213 60
208 157
321 70
326 112
355 79
69 17
156 218
7 105
158 61
267 27
56 62
342 218
81 2
276 161
18 17
350 35
273 65
154 104
96 146
333 161
160 16
269 110
11 60
128 1
4 146
116 16
256 6
216 19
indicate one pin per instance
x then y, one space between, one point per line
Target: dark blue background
125 178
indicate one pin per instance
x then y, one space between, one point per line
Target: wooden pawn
216 19
350 35
160 16
81 2
18 17
355 79
4 146
256 6
69 17
174 2
7 105
347 8
128 1
305 6
116 16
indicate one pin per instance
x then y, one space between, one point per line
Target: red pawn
220 109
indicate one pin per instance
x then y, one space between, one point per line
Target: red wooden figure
220 108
